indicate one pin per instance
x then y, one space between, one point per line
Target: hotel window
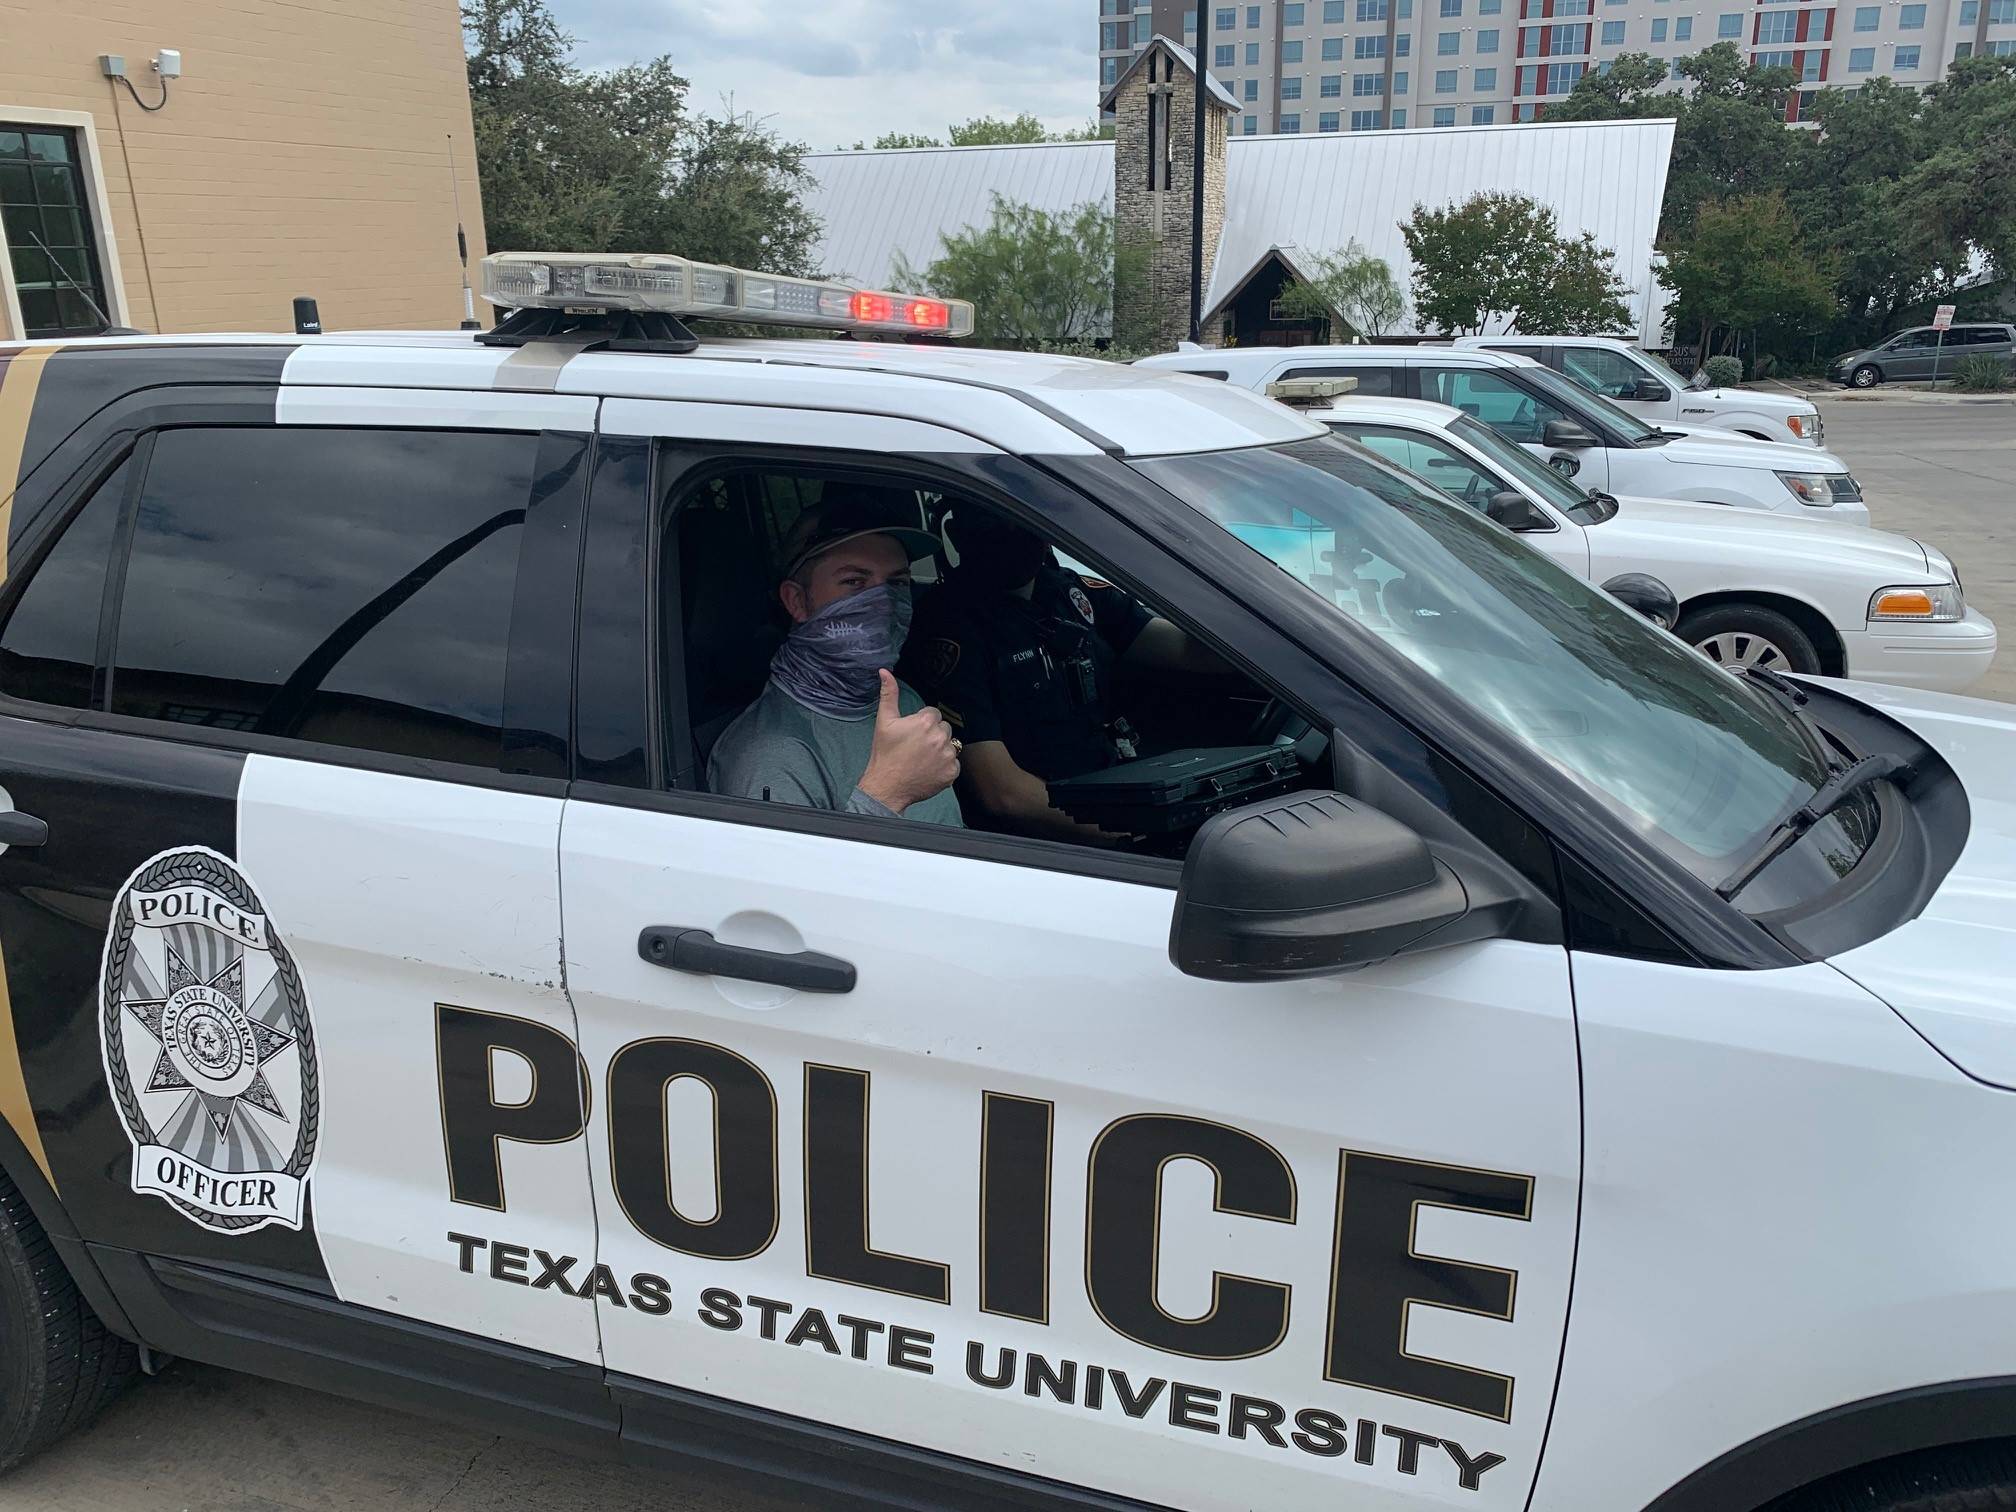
43 196
1970 12
1291 124
1368 47
1333 49
1907 57
1252 54
1729 26
1291 89
1248 125
1368 120
1221 57
1225 20
1659 30
1483 115
1561 77
1485 80
1809 67
1330 86
1911 18
1613 33
1400 86
1445 115
1448 44
1327 121
1487 39
2004 48
1868 17
1683 29
1333 12
1250 90
1771 60
1445 81
1367 84
2001 12
1252 18
1490 7
1291 52
1399 119
1861 59
1403 44
1777 27
1372 10
1109 70
1291 13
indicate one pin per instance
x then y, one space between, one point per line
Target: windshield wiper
1840 785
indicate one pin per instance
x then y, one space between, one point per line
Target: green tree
994 131
1625 89
1500 259
1034 276
613 161
1961 195
1744 264
1353 284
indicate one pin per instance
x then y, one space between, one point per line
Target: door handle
698 952
25 830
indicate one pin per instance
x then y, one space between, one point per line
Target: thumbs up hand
915 756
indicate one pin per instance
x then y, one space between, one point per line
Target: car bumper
1945 658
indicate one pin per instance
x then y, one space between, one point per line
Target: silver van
1912 355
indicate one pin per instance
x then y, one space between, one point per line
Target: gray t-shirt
779 750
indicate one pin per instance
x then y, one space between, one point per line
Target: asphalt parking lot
1938 468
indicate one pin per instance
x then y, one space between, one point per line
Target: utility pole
1197 176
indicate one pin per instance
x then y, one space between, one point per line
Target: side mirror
1571 434
1303 885
1646 594
1651 391
1514 510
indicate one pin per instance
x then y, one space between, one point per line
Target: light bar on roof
679 286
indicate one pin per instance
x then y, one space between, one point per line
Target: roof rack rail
607 330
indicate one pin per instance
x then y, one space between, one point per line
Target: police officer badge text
208 1045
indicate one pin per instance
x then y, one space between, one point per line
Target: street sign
1942 318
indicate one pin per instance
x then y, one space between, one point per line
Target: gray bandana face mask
831 661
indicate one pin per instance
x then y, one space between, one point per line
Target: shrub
1724 371
1981 374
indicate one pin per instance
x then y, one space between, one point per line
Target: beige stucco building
305 148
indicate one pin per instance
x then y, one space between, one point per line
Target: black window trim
247 410
1592 418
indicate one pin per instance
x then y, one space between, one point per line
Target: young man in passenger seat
833 728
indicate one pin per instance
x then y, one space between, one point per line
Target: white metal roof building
1310 194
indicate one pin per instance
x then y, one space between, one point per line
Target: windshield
1524 467
1702 764
1572 397
1661 368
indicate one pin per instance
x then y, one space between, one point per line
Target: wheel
1736 636
1975 1479
1868 375
58 1364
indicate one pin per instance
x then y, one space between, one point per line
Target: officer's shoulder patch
1082 602
940 658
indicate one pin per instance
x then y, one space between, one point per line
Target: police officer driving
1021 655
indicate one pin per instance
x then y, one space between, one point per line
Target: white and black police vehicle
1517 1064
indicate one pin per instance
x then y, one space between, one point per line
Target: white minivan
1637 381
1579 434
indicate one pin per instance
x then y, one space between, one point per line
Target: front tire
1980 1479
58 1364
1738 636
1868 375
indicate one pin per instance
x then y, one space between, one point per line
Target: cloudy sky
828 72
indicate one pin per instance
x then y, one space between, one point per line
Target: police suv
1515 1064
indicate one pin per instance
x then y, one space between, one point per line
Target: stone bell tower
1154 105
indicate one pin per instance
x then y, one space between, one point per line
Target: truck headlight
1937 604
1809 488
1806 427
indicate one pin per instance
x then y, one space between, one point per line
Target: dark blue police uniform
1034 673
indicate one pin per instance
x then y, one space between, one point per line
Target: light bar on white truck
681 287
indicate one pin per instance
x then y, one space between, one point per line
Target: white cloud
827 74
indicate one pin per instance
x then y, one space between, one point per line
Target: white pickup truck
1640 382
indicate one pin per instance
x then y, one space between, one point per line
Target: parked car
1642 383
1913 354
1574 431
1755 590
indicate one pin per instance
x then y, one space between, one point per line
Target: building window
1291 52
1109 70
1333 12
1809 67
1291 89
1574 7
1490 7
1911 18
1399 120
1252 18
1249 90
1333 49
1613 33
1448 44
2004 48
1327 121
43 196
1252 54
1683 29
1487 39
1659 30
1368 120
1483 115
1189 23
1291 124
1964 50
1330 86
1372 10
1907 57
1729 26
1561 77
1777 27
1485 80
1367 84
1291 13
1221 56
1861 59
1575 39
1445 115
1225 20
1400 88
1109 36
1451 8
1771 60
1248 126
1403 44
1445 81
2001 12
1970 12
1144 24
1368 47
1868 17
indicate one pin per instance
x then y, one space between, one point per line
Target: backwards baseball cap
848 511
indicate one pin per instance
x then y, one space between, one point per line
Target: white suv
1639 382
1576 432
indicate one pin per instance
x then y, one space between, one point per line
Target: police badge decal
208 1045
